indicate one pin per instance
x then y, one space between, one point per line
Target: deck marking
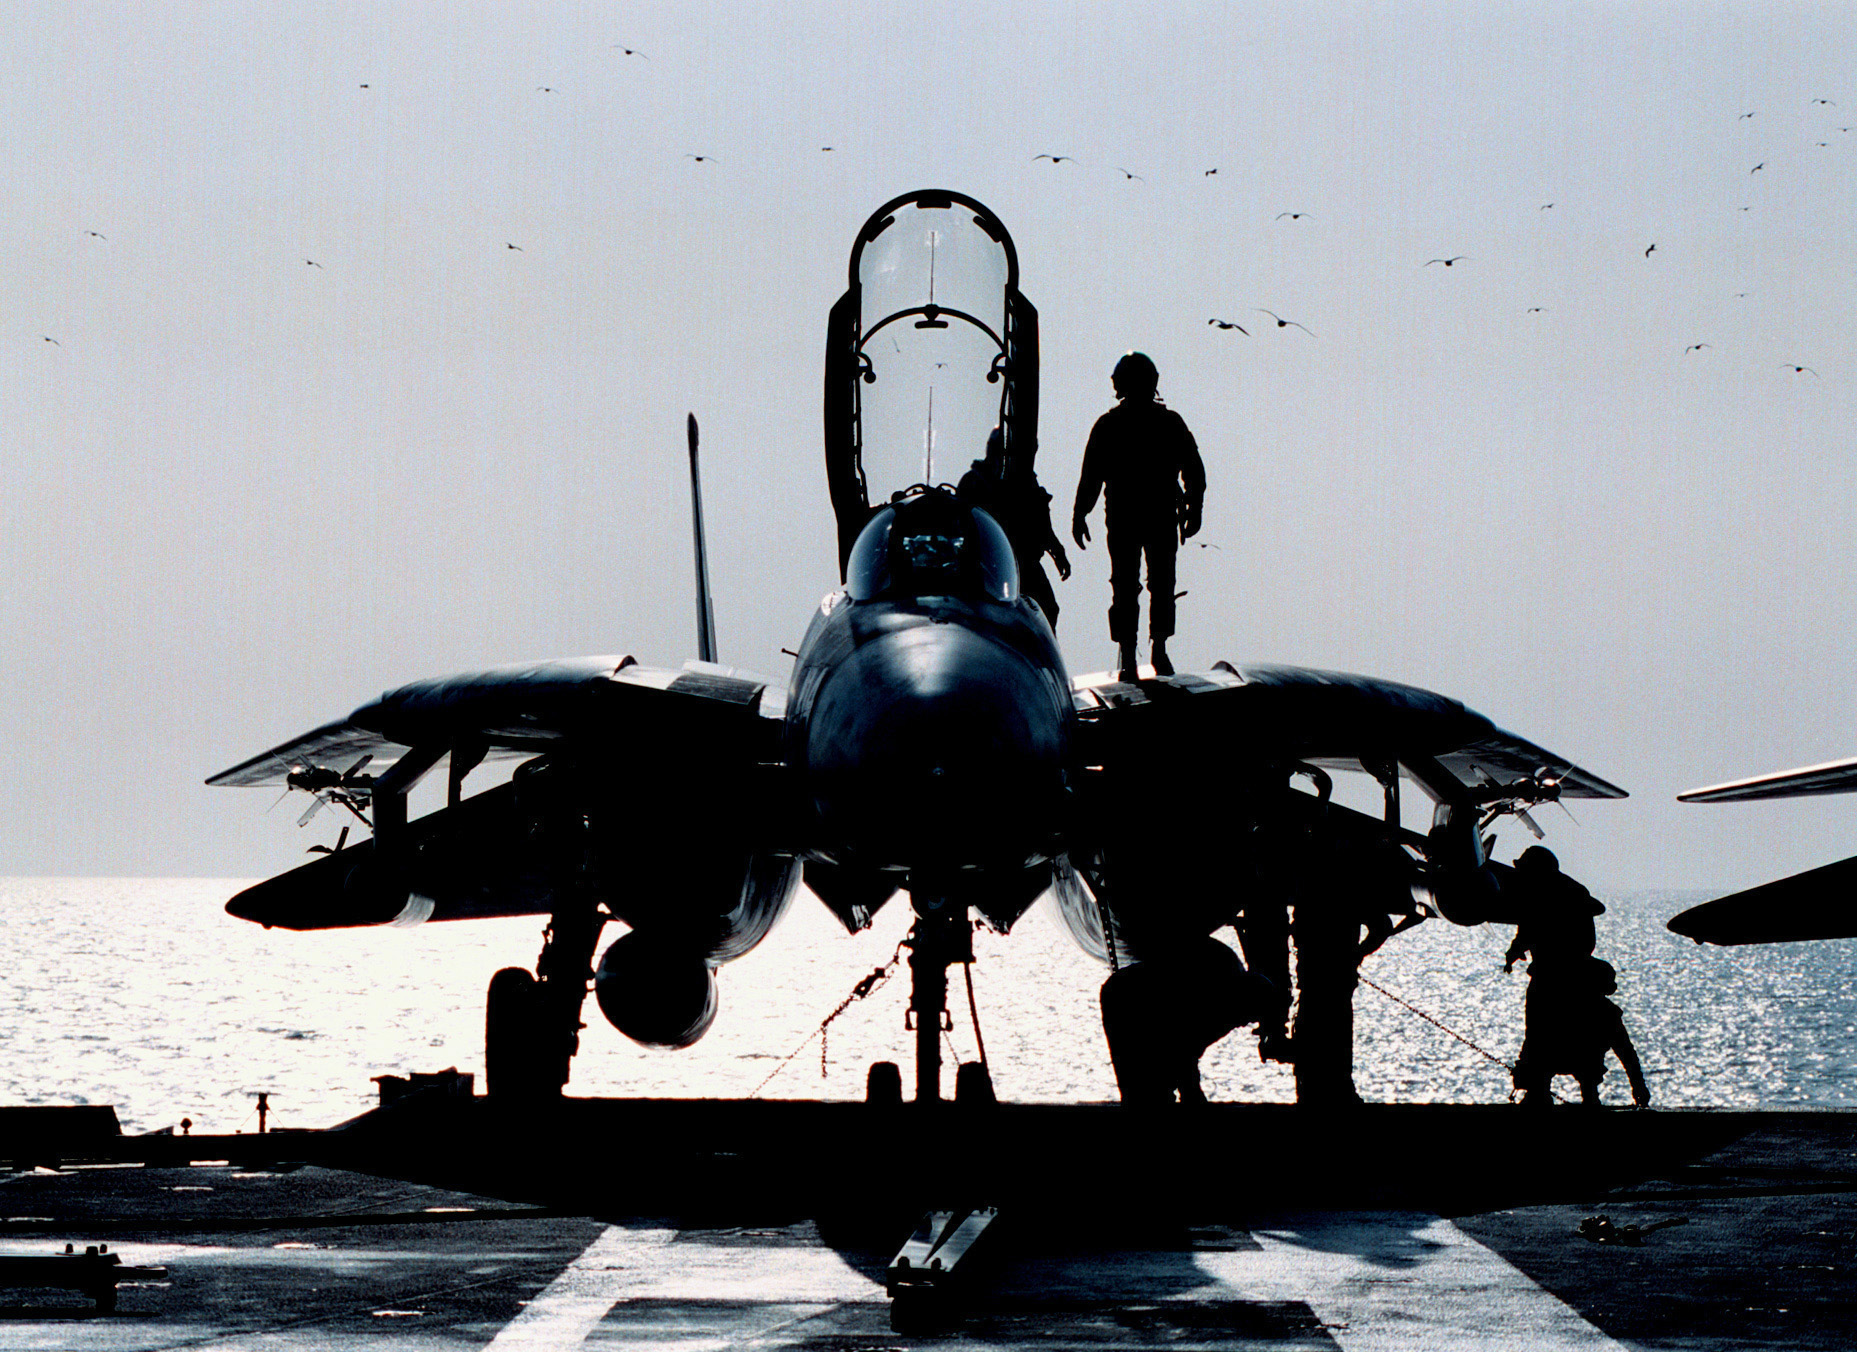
571 1306
1391 1281
1378 1281
638 1265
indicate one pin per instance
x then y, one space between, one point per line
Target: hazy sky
244 492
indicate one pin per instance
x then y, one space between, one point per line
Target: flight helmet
1537 858
1135 376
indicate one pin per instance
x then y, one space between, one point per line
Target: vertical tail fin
705 609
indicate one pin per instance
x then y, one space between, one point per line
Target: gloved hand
1062 560
1080 530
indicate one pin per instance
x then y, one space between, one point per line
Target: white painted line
626 1265
1402 1281
571 1306
1378 1281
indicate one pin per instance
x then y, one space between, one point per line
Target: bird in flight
95 235
1797 370
1461 258
1055 159
1757 168
1125 174
1547 206
1827 102
1744 117
702 159
824 148
1283 323
544 89
1537 309
1694 347
1227 324
629 51
1293 215
1210 172
313 263
53 341
1648 252
516 247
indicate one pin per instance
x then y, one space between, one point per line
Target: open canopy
929 349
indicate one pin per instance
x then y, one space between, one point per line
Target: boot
1126 662
1162 667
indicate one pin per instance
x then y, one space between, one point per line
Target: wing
1831 777
1819 904
530 708
1327 718
592 729
1185 809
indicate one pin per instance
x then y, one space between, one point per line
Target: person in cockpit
1013 497
1143 460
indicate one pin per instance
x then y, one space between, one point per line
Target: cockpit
930 348
932 544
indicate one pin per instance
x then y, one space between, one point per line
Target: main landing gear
532 1021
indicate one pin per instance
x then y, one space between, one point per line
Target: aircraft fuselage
930 729
933 732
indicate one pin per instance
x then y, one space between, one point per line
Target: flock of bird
1452 261
1130 176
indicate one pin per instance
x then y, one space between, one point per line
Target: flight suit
1143 460
1023 510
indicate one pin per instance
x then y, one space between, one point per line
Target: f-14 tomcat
929 741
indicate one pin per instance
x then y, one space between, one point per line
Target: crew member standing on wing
1143 460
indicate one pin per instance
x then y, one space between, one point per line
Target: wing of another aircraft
1818 904
1831 777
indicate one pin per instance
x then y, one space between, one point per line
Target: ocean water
144 994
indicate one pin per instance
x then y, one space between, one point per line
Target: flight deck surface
265 1251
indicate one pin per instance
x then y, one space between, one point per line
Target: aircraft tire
511 1027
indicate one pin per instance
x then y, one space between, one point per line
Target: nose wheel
940 937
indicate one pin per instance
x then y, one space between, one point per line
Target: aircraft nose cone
937 745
